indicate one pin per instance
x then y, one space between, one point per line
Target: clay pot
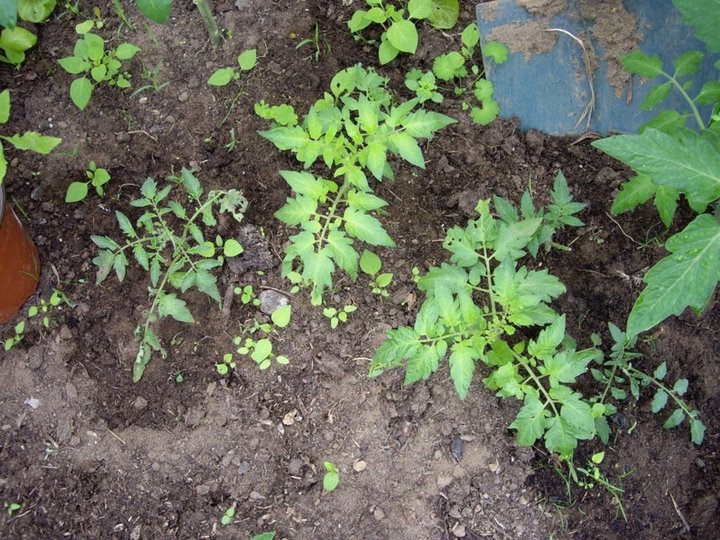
19 262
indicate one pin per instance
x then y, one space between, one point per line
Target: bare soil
101 457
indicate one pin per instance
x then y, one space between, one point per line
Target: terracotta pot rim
2 200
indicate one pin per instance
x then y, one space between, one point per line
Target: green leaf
424 123
297 210
704 17
221 77
680 387
125 51
17 39
470 35
376 159
125 225
305 183
656 96
660 371
639 63
548 339
444 13
4 106
688 63
281 316
401 343
343 253
403 36
697 431
497 51
318 269
560 437
636 191
685 278
370 263
530 421
33 141
659 401
387 52
690 164
578 413
247 59
8 13
171 305
286 137
155 10
666 199
675 419
709 94
462 367
76 191
207 283
98 73
366 228
141 257
421 365
363 201
74 65
262 350
232 248
80 92
407 147
419 9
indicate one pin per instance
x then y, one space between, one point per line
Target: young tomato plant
399 33
97 177
222 77
672 160
30 140
353 130
476 304
90 58
168 243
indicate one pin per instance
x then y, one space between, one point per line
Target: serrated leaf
424 123
578 413
400 344
343 253
659 401
407 148
421 365
281 316
687 277
286 137
560 437
318 269
462 367
697 431
364 202
171 305
709 94
530 421
704 17
680 386
548 340
666 199
639 63
675 419
297 210
207 283
125 225
141 257
656 96
366 228
636 191
688 63
304 183
690 164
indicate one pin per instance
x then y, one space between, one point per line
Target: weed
332 476
321 45
97 177
12 507
264 536
246 60
44 310
228 516
170 245
337 316
30 140
399 33
371 264
91 58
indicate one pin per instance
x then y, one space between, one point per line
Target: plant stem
689 100
205 10
634 371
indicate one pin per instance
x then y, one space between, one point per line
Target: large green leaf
530 421
403 36
690 164
462 367
685 278
171 305
17 39
444 13
155 10
33 141
424 123
634 192
286 138
297 210
406 146
422 364
366 228
35 11
401 343
318 269
8 13
343 253
561 437
704 17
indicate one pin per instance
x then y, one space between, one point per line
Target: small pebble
183 97
444 480
359 466
459 531
378 514
140 402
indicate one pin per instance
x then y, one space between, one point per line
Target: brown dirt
101 457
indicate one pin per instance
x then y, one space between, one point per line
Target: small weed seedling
593 476
371 264
264 536
43 309
228 516
399 33
320 44
91 58
337 316
332 476
247 295
222 77
260 350
30 140
169 244
11 508
97 177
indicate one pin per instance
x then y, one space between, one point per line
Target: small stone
47 206
444 480
244 467
271 300
459 531
140 403
378 514
71 391
203 490
65 332
295 466
254 495
494 467
183 97
290 418
210 390
359 466
122 137
523 500
37 193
